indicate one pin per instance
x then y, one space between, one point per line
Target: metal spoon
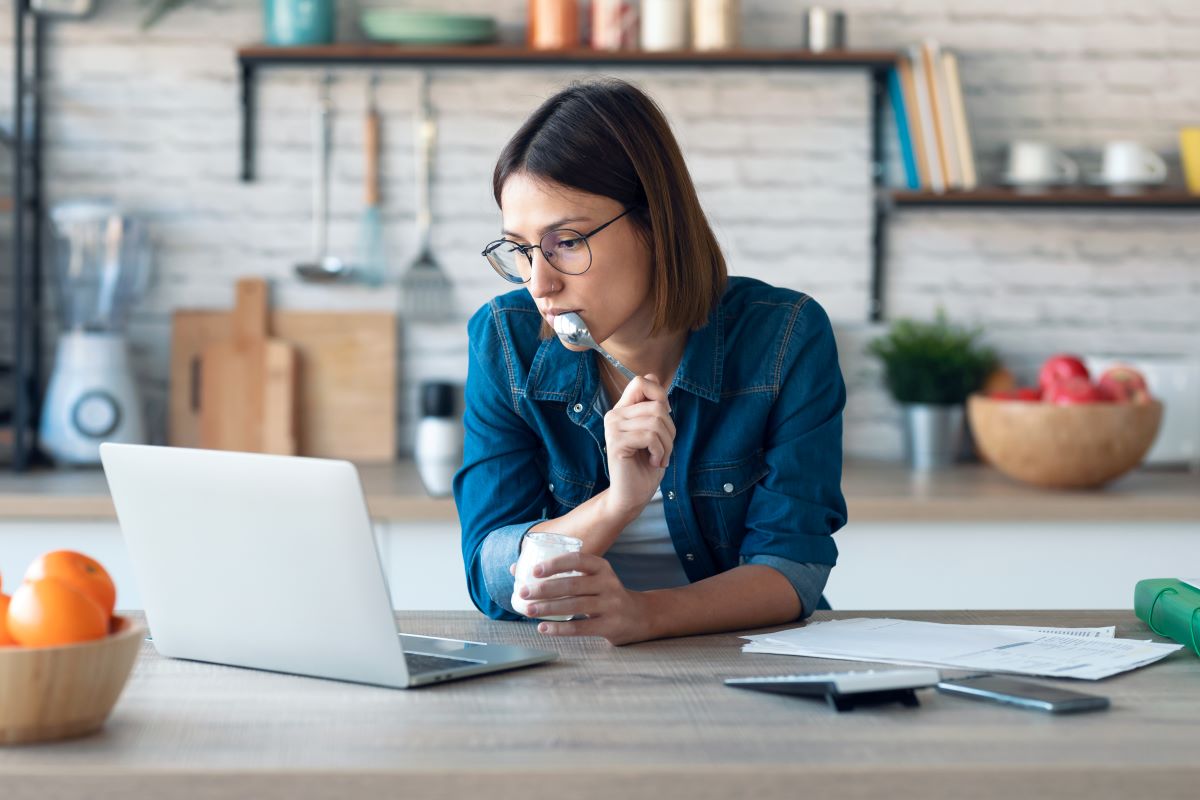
571 329
323 268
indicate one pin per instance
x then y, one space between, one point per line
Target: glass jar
536 548
715 24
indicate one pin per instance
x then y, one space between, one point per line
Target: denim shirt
755 475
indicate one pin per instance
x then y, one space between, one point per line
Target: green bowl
426 27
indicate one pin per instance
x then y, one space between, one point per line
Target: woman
706 489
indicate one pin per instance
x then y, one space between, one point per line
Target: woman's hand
612 611
640 435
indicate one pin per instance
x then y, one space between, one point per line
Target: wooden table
649 720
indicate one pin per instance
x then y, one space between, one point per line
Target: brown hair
608 138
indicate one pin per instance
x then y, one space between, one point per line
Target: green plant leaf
932 362
159 9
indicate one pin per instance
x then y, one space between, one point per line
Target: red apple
1025 394
1124 384
1073 390
1060 367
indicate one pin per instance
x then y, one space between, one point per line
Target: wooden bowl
58 692
1063 447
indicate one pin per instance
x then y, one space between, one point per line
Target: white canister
715 24
439 446
664 24
536 548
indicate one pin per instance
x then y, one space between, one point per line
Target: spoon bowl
572 330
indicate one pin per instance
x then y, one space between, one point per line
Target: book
958 114
908 89
925 120
943 129
911 178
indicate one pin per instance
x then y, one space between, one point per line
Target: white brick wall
780 158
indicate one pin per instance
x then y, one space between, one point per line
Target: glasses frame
526 249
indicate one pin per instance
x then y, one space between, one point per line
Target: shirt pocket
567 491
721 492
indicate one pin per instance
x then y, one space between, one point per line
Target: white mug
1132 163
1039 163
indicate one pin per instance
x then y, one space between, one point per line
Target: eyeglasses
564 249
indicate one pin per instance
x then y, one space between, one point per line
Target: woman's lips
550 315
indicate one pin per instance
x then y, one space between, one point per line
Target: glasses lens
567 251
508 260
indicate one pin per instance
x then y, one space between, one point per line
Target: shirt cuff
501 549
808 578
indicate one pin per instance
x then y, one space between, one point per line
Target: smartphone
1026 694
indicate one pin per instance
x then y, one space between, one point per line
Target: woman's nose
543 278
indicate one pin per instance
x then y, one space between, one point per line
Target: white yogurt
536 548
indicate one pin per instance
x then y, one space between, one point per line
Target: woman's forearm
593 521
749 596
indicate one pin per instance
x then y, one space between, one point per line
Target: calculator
846 690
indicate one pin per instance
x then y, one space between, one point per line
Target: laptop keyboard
420 662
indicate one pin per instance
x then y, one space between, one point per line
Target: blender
101 268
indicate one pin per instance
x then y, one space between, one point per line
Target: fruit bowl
58 692
1063 446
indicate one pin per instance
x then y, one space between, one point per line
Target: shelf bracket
248 120
879 199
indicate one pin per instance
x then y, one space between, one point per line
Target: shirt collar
562 375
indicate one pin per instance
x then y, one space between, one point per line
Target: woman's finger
576 586
577 627
562 607
639 389
571 562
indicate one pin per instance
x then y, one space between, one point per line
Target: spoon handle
624 370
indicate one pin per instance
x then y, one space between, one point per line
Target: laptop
269 562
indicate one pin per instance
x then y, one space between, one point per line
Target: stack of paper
1087 653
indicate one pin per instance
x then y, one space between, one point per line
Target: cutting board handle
250 310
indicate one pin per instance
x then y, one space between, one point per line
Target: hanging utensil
324 268
427 292
372 266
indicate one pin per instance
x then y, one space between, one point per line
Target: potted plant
930 368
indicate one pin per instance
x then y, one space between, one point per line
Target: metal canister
614 25
823 30
553 24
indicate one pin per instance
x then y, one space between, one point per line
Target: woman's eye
569 244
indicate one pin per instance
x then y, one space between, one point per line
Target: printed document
1085 653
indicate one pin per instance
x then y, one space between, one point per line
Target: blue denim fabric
755 476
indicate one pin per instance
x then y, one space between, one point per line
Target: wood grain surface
648 720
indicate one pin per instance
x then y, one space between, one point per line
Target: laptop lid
256 560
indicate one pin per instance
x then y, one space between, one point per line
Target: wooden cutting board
248 382
346 379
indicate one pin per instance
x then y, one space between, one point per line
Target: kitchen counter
647 720
875 492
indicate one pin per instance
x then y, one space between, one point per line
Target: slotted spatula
428 294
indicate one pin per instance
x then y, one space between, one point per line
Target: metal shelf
26 206
877 63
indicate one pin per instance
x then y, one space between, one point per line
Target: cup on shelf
1189 155
1130 165
1037 165
715 24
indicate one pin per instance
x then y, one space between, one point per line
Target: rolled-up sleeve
798 505
499 491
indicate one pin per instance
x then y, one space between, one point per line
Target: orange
48 612
80 572
5 637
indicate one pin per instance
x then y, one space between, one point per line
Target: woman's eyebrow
556 224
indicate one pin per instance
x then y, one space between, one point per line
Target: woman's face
613 296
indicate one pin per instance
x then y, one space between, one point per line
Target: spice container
536 548
715 24
553 24
614 25
664 24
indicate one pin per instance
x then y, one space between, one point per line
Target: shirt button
728 488
552 487
578 407
670 495
690 557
